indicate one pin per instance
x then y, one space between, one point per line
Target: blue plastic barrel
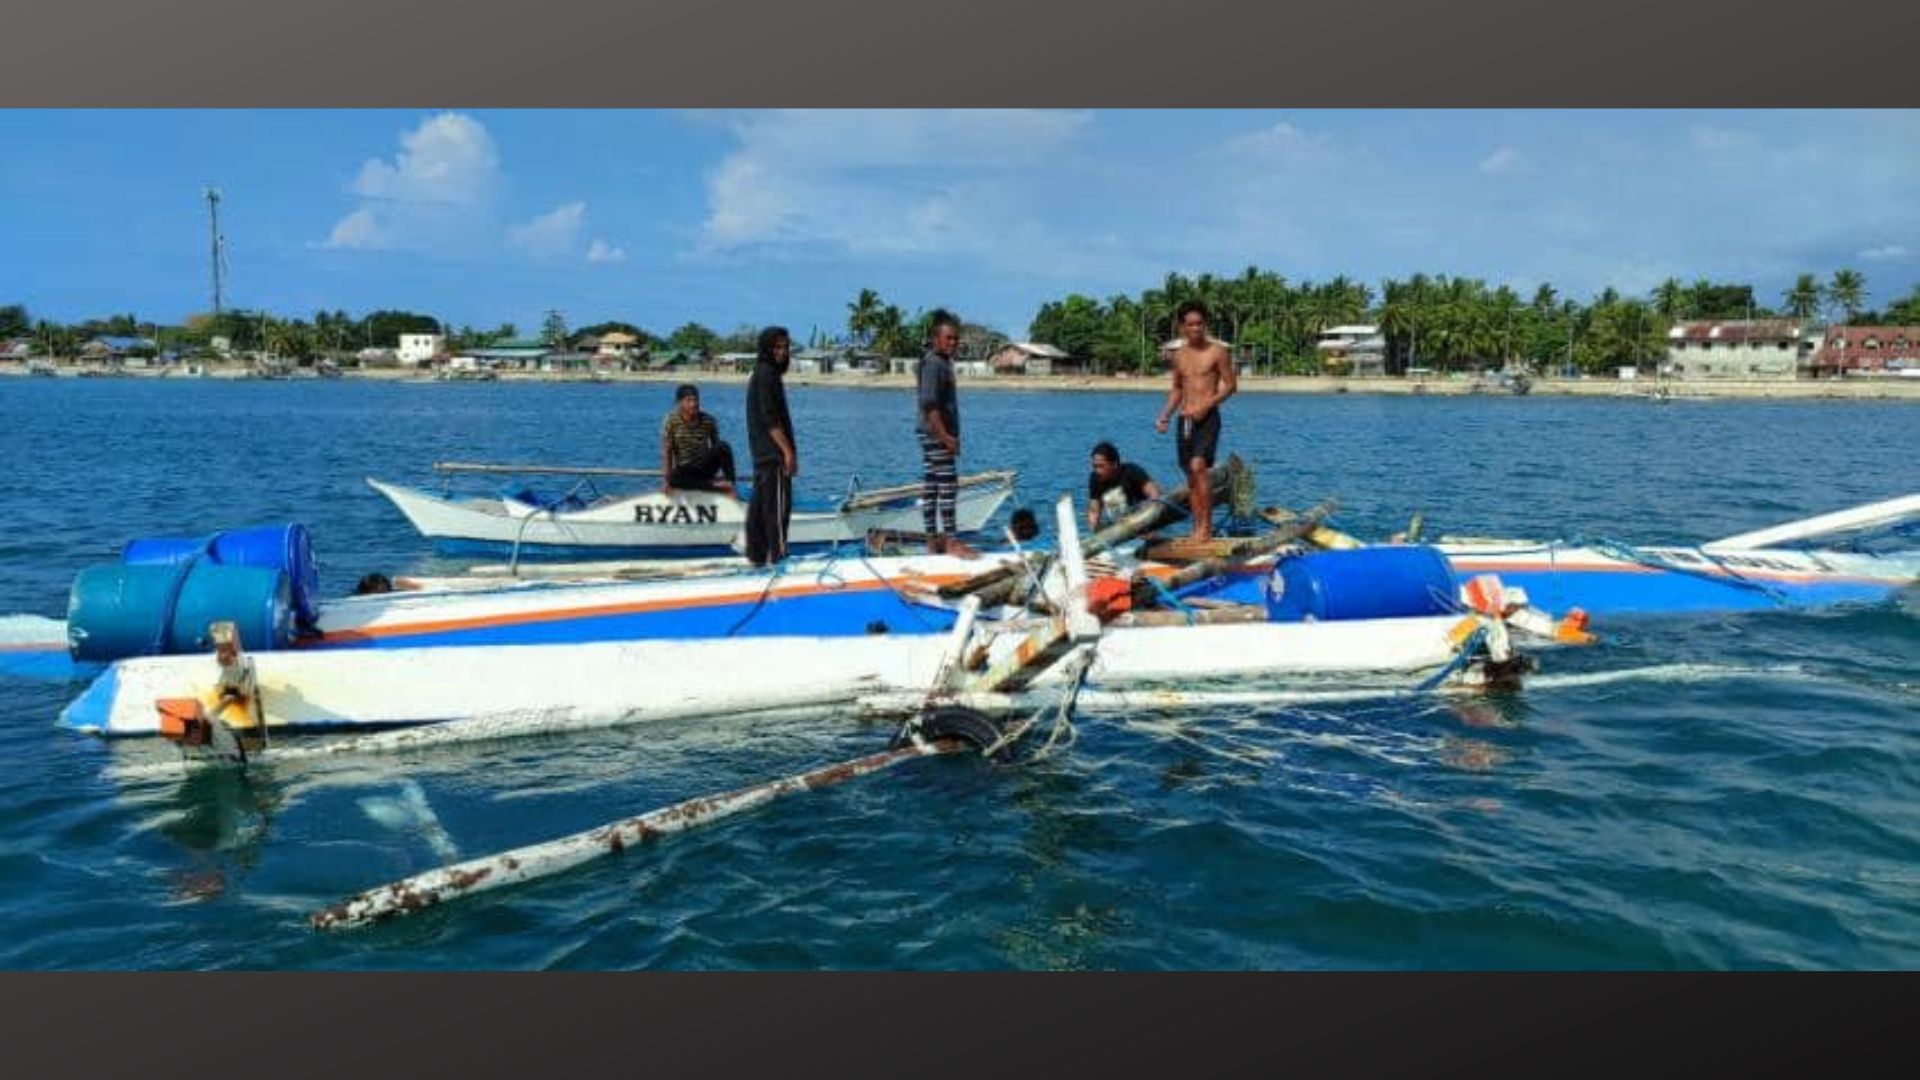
1390 582
117 610
164 550
278 547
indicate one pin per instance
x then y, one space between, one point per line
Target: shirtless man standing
1202 379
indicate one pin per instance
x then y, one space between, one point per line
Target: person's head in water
776 347
1106 461
945 332
687 400
1024 525
1192 319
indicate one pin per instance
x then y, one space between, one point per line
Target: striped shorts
939 487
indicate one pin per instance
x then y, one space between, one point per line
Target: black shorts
1197 438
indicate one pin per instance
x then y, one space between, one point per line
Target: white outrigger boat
586 523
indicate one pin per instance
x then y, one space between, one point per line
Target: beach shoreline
1852 389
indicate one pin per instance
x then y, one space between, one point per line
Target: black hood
767 338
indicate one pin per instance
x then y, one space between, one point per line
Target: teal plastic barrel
116 610
258 600
1391 582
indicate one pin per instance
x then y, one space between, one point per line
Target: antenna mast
213 210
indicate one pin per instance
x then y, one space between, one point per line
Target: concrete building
1760 349
1352 350
417 349
1867 351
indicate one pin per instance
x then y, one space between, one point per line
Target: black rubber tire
970 726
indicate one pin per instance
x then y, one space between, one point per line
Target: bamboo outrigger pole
1252 548
993 586
551 857
550 470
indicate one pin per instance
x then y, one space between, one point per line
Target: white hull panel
567 685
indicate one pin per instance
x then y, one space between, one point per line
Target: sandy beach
1852 389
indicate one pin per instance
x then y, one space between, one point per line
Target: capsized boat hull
558 686
685 523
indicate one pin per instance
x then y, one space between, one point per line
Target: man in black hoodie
775 461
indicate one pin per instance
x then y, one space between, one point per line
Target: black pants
768 513
699 472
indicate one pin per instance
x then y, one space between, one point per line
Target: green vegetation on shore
1435 322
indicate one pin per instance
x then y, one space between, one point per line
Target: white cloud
602 252
1710 138
449 158
437 195
1887 251
358 231
553 233
1503 160
1283 143
888 180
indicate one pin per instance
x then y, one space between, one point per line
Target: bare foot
960 550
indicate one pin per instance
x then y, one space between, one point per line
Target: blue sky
661 217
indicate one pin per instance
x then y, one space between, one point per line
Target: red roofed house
1869 350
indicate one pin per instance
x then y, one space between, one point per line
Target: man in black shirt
776 461
1114 485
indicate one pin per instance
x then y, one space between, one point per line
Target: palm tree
1848 292
1803 300
1670 298
863 315
890 331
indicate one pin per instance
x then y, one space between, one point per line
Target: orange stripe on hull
522 618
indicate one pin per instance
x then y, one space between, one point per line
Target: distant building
617 345
1759 349
522 354
815 361
1028 358
1867 350
118 348
1352 350
417 349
